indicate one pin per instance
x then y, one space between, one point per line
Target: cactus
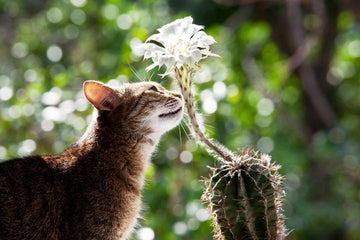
244 198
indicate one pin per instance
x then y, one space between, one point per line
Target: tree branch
306 74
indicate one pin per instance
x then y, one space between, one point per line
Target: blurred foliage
48 49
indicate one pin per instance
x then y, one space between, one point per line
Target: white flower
177 43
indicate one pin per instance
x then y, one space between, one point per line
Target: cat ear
103 97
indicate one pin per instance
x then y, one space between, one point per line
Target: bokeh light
78 3
19 50
54 15
6 93
124 21
145 233
54 53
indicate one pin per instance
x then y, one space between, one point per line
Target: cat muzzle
171 114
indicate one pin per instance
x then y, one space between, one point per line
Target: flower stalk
183 76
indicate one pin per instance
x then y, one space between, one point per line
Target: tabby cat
93 189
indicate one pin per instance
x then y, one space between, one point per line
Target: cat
91 191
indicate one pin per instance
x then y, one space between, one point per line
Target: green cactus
244 197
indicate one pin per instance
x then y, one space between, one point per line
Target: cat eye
153 88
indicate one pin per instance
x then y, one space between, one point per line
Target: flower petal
196 55
151 49
202 39
188 59
177 43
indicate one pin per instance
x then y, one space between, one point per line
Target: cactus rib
244 198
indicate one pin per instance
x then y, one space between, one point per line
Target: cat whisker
172 104
180 133
184 129
151 76
208 126
138 77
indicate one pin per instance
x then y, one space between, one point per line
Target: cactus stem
183 75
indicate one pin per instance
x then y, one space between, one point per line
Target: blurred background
287 84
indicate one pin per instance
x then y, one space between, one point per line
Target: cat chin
170 120
171 114
166 122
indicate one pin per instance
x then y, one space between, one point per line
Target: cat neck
140 138
109 146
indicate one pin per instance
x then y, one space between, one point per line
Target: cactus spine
244 198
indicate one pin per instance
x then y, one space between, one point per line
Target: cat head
143 105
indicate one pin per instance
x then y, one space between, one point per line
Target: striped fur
93 189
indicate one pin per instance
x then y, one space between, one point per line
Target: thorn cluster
244 198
